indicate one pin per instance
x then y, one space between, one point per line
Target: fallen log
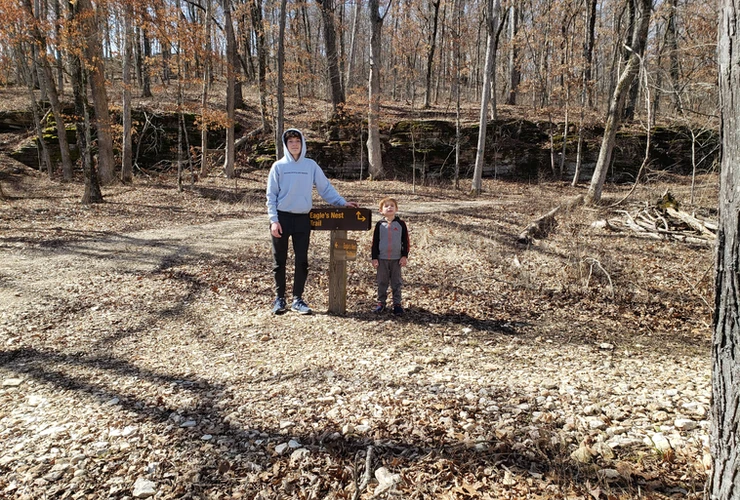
542 226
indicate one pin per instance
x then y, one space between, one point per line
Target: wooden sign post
339 221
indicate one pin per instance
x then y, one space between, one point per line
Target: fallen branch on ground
542 226
668 224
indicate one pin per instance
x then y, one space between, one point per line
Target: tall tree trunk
259 29
45 160
352 46
280 118
457 10
494 8
430 53
47 81
92 192
204 95
146 86
616 105
374 154
515 75
229 152
232 55
724 477
672 46
330 42
127 174
59 59
94 60
588 52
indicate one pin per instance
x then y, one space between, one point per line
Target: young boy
289 199
389 254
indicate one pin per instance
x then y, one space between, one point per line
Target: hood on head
292 131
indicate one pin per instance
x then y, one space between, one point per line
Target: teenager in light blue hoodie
289 199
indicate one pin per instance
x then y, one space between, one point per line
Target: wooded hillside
560 61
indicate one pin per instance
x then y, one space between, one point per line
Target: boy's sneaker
279 306
300 307
379 308
397 309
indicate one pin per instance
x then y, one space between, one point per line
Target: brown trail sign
339 221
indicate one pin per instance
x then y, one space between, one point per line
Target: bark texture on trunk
724 481
94 56
332 59
617 102
374 155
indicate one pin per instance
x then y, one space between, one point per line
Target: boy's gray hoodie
290 183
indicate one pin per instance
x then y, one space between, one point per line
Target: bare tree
492 21
352 45
94 59
48 84
127 175
229 155
204 94
330 42
374 154
261 45
724 477
280 118
616 105
432 45
514 73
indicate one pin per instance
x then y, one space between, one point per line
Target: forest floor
139 356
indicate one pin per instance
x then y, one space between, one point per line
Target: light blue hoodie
290 183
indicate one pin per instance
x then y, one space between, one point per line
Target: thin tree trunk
514 73
330 42
127 174
353 37
457 9
229 152
494 8
92 193
616 106
261 61
672 45
47 81
280 118
374 154
724 476
146 87
94 60
204 94
430 54
45 160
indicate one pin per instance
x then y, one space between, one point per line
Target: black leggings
297 227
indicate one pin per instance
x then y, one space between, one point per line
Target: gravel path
146 364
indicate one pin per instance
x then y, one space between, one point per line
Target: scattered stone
299 455
685 424
659 441
386 480
189 423
280 449
286 424
144 488
12 382
608 475
410 370
582 455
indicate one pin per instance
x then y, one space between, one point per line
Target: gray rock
144 488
